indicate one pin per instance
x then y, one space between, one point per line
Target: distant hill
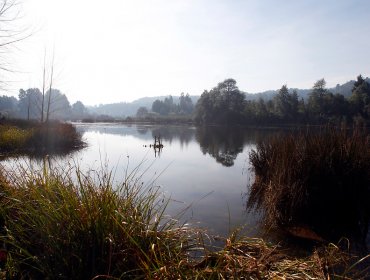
125 109
344 89
269 94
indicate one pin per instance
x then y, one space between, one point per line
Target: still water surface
206 169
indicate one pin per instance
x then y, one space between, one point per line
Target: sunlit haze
121 50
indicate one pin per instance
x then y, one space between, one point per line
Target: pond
205 170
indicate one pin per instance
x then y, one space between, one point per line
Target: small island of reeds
32 138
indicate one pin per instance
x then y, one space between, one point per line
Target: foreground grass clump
56 228
33 138
320 180
67 225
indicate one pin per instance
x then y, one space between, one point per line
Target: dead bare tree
43 89
9 35
8 15
50 91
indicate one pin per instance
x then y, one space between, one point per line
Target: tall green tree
360 98
58 106
29 105
186 105
222 104
161 107
8 106
142 112
261 111
78 110
338 107
316 102
286 104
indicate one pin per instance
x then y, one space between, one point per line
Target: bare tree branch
10 34
50 91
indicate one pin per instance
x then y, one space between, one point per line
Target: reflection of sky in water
215 192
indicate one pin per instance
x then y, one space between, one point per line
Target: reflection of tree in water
168 133
142 130
222 143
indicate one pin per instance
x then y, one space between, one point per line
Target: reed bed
73 225
316 179
36 139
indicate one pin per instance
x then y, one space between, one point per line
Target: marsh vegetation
56 227
316 179
20 137
63 221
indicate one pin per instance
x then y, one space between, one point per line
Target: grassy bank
57 227
18 137
319 180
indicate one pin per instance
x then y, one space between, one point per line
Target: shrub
32 138
319 179
13 138
54 138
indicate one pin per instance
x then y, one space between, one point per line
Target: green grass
59 228
13 138
318 179
70 225
36 139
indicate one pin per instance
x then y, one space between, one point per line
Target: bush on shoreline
316 179
38 139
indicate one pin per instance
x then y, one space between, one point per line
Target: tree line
32 104
226 104
167 107
223 104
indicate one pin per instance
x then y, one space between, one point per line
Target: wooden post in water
157 145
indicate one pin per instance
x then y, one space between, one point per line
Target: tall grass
317 179
71 225
58 228
13 138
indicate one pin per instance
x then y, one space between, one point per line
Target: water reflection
195 162
222 143
188 170
142 129
202 168
169 133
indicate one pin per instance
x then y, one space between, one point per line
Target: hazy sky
120 50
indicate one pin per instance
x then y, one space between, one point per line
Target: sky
121 50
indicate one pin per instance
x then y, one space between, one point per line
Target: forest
33 105
226 104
